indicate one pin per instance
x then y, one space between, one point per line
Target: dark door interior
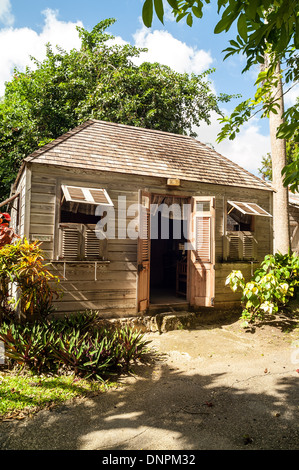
168 270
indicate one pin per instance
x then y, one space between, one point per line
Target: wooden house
105 172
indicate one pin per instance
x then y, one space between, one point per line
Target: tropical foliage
22 265
76 344
7 234
271 288
267 35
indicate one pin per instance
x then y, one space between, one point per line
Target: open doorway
168 265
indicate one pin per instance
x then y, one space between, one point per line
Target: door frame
143 304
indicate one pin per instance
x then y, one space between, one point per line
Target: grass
23 395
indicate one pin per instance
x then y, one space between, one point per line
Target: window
77 234
241 243
86 195
249 208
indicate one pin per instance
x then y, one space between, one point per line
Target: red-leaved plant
7 234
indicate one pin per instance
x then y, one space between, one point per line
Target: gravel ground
215 387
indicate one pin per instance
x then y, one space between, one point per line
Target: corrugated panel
203 238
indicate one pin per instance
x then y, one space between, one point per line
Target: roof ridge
158 131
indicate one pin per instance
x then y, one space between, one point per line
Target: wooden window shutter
203 228
100 196
203 238
144 232
71 242
242 246
94 248
86 195
248 247
235 246
76 194
201 280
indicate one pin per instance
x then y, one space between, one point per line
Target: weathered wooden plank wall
114 291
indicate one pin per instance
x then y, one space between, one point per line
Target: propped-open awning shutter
86 195
249 208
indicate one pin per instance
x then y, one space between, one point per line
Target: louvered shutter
94 248
144 235
86 195
248 248
242 245
203 238
143 255
71 241
234 246
76 194
91 244
201 280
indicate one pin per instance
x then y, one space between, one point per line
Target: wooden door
143 257
202 253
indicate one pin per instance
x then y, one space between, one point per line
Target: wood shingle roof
105 146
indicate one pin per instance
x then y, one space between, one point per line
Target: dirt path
214 387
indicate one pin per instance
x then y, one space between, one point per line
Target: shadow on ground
207 405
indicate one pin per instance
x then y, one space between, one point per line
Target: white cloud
6 16
247 149
21 43
165 49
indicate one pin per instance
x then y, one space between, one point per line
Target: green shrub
23 264
76 343
271 288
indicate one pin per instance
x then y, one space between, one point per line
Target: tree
281 227
266 168
98 81
264 27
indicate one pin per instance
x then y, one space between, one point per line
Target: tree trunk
280 197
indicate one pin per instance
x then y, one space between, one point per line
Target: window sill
77 262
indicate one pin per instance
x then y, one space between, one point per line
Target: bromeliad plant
76 344
271 288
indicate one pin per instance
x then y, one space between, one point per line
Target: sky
27 25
